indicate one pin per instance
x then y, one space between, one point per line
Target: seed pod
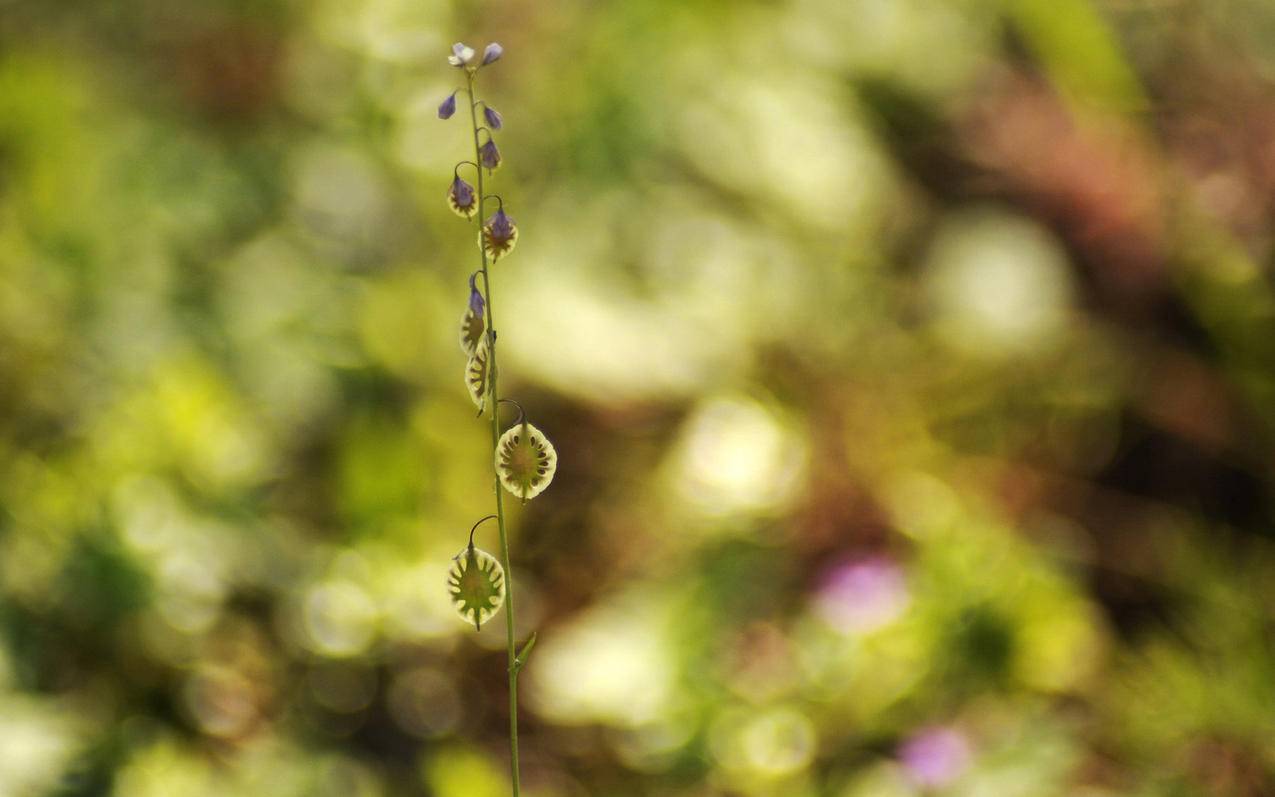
476 374
476 583
498 235
472 327
525 460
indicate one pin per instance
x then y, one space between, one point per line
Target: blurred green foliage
911 365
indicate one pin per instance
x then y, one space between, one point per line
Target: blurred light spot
774 743
148 510
460 772
761 664
417 604
340 618
37 741
920 503
424 702
611 665
932 48
423 144
594 342
191 591
403 30
766 117
343 200
220 701
883 779
164 770
736 456
652 747
333 776
861 596
935 757
998 283
343 688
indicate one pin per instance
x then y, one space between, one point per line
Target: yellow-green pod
476 582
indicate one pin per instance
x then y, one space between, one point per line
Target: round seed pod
525 460
476 583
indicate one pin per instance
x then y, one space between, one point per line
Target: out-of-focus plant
523 458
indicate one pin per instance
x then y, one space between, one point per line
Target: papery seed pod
498 235
476 374
472 327
447 107
462 199
492 53
489 155
525 460
494 120
476 584
474 323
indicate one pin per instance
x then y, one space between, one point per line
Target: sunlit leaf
476 583
525 460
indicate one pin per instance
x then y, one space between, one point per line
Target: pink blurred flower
935 756
862 595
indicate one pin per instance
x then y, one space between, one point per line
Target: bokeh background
911 364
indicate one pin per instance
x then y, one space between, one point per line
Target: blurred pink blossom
862 595
935 756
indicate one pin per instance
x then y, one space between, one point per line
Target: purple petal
489 156
494 120
462 192
476 301
492 53
502 227
448 107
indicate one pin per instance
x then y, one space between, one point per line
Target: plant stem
493 399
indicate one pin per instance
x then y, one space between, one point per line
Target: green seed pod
472 327
476 374
476 582
525 460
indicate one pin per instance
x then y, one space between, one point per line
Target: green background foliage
911 364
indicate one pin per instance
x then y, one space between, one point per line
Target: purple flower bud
494 120
448 107
489 156
492 53
462 199
476 301
498 235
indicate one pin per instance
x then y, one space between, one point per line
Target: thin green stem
493 396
